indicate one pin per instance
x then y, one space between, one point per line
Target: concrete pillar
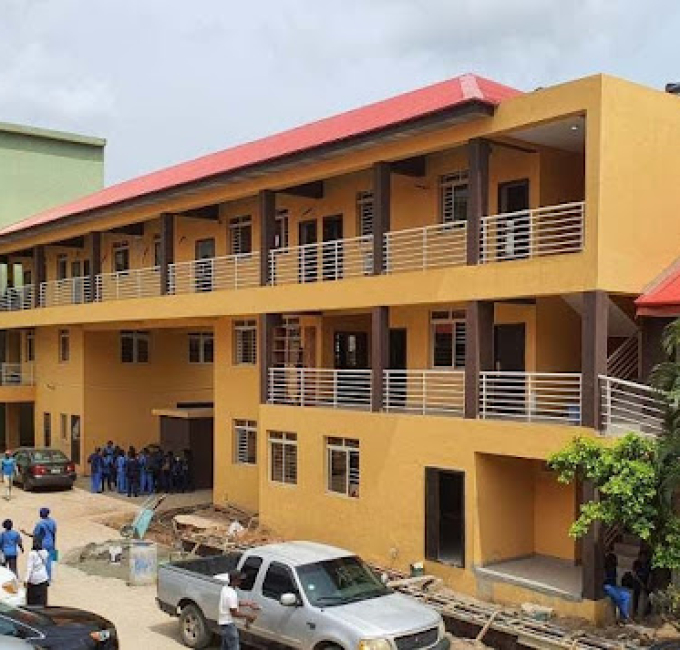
592 558
95 262
382 203
167 249
478 351
593 355
267 201
265 352
39 273
380 331
479 151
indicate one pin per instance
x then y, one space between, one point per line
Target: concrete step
631 550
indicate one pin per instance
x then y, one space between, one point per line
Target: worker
9 470
107 470
37 578
619 595
10 544
132 472
121 479
95 461
229 610
147 472
46 531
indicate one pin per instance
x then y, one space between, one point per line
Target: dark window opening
445 516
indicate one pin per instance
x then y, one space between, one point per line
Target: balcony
124 285
16 374
69 291
17 298
427 392
215 274
630 407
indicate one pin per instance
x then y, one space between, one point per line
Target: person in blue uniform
45 532
121 479
95 461
133 472
10 544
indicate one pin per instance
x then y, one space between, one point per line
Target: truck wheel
193 628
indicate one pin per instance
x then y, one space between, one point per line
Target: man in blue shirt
46 532
10 543
95 461
8 466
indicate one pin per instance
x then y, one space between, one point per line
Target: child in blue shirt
10 544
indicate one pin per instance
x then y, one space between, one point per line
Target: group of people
40 558
145 472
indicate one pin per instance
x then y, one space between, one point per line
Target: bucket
143 563
417 569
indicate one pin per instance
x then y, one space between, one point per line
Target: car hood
392 615
65 618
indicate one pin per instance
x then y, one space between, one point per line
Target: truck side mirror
289 600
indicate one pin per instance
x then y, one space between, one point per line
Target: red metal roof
374 117
663 296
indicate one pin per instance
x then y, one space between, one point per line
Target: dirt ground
78 513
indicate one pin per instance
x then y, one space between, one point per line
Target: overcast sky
169 80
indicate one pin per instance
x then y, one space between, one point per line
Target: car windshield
21 615
48 456
340 581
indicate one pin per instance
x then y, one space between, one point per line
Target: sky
169 80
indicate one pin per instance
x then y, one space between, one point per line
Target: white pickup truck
311 596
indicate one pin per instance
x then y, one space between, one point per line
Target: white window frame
236 225
449 185
29 343
120 247
202 339
365 212
245 356
245 441
136 336
349 448
456 320
64 352
282 236
288 474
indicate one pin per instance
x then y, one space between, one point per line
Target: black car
43 467
59 628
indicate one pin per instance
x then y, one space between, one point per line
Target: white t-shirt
36 567
228 601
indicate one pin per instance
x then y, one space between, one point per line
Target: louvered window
454 192
448 339
283 457
343 466
245 342
241 235
365 213
245 438
64 346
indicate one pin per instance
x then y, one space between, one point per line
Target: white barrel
143 563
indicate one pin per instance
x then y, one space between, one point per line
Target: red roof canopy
663 297
374 117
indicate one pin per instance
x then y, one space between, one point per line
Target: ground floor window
342 461
64 346
201 347
63 426
245 436
445 516
134 346
47 429
283 457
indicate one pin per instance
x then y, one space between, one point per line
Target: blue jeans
229 637
147 483
50 549
621 598
121 483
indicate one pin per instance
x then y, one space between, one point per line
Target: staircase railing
623 363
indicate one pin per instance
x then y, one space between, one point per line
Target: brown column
39 273
593 354
382 190
95 263
478 351
265 332
167 249
592 559
267 200
10 272
478 202
380 342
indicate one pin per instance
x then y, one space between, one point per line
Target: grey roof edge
63 136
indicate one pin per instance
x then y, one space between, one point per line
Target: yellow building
372 329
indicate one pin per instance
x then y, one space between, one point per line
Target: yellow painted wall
554 512
558 340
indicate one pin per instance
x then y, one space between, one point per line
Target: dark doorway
80 271
332 260
509 343
397 382
75 439
26 424
204 255
195 435
445 516
351 353
515 229
308 258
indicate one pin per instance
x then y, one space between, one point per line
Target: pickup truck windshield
340 581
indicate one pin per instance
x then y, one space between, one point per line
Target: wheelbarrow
140 524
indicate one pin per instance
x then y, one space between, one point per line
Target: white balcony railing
215 274
323 261
551 230
323 387
69 291
17 298
16 374
434 392
135 283
531 396
630 407
429 247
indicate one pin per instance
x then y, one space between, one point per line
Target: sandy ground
133 610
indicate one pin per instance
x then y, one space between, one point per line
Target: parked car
44 467
310 595
11 591
58 628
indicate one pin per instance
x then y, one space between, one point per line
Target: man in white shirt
229 610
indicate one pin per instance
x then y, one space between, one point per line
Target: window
156 250
245 338
281 236
365 212
30 345
64 346
241 235
283 457
121 257
278 581
47 429
245 436
343 466
62 267
453 190
201 347
448 339
134 346
63 426
250 569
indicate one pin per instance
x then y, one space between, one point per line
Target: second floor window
365 213
453 197
30 346
245 342
281 236
448 339
283 457
62 267
121 257
63 426
134 346
157 250
241 235
64 346
245 439
201 347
